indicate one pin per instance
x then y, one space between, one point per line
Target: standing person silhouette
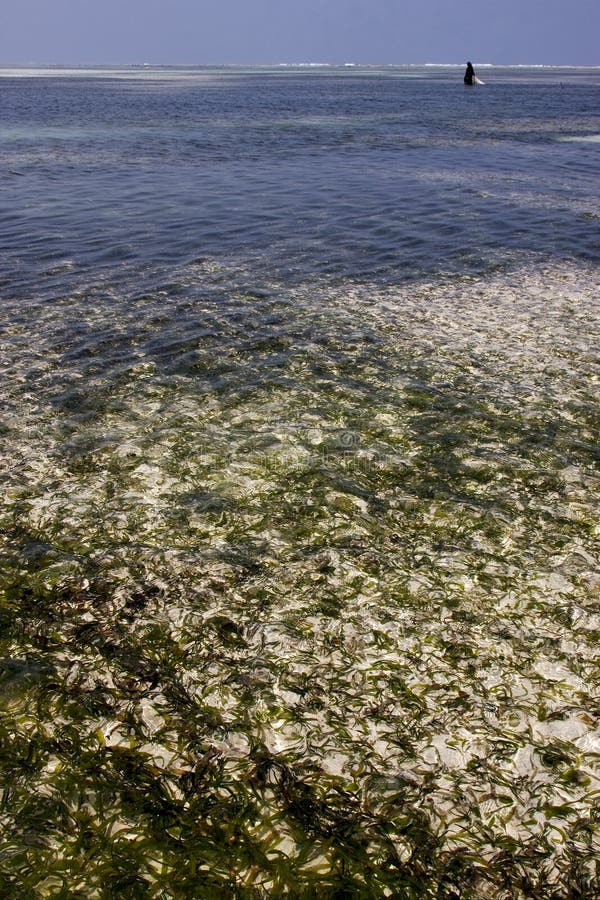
469 74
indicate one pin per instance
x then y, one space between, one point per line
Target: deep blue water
358 173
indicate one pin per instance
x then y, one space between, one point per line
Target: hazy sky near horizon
273 31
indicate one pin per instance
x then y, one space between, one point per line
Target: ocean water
300 536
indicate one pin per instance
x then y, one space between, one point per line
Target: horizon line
284 64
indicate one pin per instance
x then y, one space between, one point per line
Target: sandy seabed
308 605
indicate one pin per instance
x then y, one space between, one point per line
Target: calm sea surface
379 174
300 580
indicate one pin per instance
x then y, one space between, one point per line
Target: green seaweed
308 604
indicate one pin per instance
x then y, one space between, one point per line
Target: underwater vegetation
300 589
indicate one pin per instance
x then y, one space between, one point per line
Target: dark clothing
469 74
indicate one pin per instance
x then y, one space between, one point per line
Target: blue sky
271 31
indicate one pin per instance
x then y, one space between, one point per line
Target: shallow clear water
300 585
